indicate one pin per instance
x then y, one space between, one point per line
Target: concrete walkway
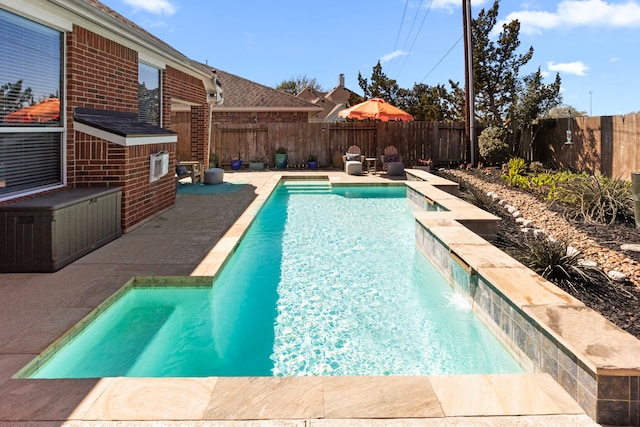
192 238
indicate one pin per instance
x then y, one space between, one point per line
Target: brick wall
258 117
103 74
177 84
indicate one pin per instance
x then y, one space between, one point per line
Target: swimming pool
313 289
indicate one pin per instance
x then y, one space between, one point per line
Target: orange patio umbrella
47 110
375 109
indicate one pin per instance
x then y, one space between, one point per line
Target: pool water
323 283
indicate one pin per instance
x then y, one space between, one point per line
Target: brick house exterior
102 52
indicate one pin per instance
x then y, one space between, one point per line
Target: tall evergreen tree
380 87
496 66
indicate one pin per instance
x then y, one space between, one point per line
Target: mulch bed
618 302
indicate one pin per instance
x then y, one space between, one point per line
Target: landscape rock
617 276
621 242
630 247
599 244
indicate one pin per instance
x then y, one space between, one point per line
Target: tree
14 98
503 98
533 100
563 111
433 103
381 86
295 85
496 66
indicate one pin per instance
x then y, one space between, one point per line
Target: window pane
30 92
29 160
30 72
148 94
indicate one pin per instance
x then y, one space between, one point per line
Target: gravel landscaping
613 248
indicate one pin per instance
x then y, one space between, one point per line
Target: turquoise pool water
324 283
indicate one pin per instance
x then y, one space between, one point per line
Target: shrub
281 150
480 199
515 169
517 166
536 167
595 198
553 260
492 144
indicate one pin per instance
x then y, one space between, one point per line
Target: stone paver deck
192 239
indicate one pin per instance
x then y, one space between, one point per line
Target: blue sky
593 44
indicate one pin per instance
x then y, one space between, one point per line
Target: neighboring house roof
332 102
241 94
310 94
340 94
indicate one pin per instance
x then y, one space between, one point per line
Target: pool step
307 186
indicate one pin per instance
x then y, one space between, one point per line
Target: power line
404 12
441 59
413 22
417 34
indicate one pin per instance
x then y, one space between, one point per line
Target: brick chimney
341 80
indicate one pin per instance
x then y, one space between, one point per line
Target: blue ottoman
395 168
213 176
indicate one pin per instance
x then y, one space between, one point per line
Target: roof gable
244 94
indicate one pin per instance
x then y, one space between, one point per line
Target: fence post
635 189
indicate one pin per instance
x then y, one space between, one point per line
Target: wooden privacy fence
441 142
609 145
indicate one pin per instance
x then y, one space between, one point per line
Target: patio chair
353 161
189 169
392 161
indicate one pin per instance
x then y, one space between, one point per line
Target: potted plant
213 160
256 164
236 163
312 161
281 157
424 164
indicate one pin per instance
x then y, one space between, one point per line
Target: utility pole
470 126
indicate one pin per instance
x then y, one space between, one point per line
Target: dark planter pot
281 161
312 165
236 164
635 191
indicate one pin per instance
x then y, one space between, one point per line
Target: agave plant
557 262
596 199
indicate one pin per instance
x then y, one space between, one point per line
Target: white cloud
392 55
614 59
153 6
578 13
578 68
